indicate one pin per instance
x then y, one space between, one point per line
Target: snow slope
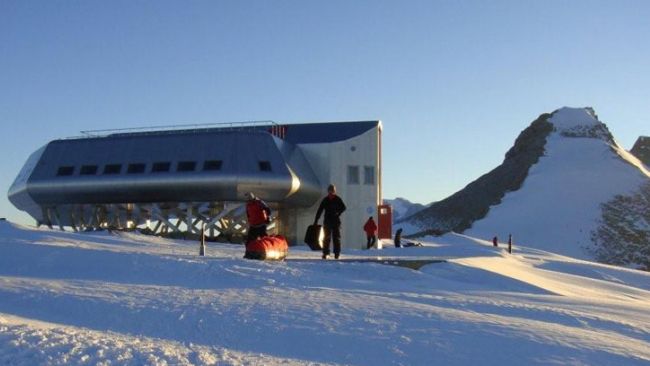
99 299
558 206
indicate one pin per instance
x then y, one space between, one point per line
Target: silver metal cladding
216 166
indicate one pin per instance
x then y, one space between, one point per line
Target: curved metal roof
236 162
212 164
304 133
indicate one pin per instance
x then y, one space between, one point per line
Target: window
353 174
112 169
160 167
88 170
265 165
369 175
136 168
212 165
64 171
186 166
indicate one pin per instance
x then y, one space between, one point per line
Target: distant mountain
403 208
459 211
641 149
565 186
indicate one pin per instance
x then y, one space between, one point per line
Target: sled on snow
274 247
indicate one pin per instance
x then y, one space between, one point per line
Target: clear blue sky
454 82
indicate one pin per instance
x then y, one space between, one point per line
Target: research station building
193 180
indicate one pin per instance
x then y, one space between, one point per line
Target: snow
630 158
100 299
558 206
567 118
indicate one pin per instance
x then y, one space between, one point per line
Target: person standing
398 238
510 243
333 207
371 232
258 214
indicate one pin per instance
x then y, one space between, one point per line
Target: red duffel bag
272 247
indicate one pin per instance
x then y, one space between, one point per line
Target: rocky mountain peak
641 149
459 211
580 122
402 207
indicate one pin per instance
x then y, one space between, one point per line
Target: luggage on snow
313 237
272 247
411 244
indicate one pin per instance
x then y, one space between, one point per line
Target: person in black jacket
333 206
398 238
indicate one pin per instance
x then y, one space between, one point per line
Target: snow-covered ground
559 205
100 299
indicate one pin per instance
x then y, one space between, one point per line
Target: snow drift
100 299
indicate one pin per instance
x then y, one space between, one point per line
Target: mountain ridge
457 212
403 207
553 191
641 149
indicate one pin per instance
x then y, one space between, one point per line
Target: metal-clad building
183 180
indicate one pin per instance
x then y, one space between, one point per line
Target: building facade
193 180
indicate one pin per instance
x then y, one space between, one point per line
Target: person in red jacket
258 214
371 232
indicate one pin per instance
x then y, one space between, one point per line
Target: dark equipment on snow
313 237
399 244
398 238
272 247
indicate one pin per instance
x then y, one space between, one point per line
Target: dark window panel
212 165
265 166
353 174
136 168
186 166
112 169
88 170
161 167
65 171
369 175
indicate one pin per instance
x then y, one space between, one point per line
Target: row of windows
157 167
354 175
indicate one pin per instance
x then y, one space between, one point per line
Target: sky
453 82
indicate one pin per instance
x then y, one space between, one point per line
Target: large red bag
272 247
